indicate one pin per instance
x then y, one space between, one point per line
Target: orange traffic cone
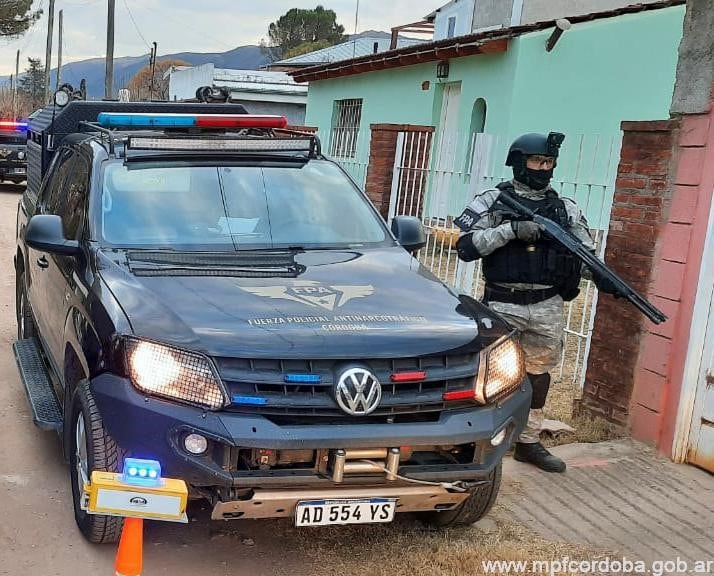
130 555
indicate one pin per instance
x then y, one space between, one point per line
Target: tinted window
235 207
54 180
70 204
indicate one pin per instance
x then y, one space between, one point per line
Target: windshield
13 139
195 207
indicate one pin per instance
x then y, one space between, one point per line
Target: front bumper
13 169
153 428
281 503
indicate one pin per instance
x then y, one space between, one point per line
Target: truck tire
475 507
91 448
25 321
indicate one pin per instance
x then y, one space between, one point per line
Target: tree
307 47
273 53
16 17
32 84
24 106
298 26
140 85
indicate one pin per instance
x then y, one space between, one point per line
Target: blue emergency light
141 472
150 120
13 125
303 378
249 400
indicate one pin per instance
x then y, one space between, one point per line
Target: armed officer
528 275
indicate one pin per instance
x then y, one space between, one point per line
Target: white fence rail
436 189
352 156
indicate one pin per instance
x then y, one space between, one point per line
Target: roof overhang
404 57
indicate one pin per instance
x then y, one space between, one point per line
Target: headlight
502 370
172 373
21 155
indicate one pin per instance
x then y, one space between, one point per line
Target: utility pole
14 91
354 40
48 51
151 64
109 73
153 70
59 52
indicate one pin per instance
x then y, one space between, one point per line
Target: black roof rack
50 125
229 140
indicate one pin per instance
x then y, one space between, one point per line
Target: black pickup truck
203 287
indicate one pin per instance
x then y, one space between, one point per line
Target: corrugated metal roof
257 81
488 41
361 46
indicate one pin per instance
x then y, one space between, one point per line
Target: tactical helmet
530 144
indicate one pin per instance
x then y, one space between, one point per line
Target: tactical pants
541 332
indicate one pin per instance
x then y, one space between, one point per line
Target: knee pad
541 385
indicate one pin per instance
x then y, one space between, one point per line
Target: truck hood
377 303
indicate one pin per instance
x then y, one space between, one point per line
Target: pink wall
660 368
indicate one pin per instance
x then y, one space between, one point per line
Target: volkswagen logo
358 392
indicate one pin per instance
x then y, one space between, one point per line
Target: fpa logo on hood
313 294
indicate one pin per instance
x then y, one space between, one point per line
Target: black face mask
535 179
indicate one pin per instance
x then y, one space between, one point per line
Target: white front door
446 153
701 437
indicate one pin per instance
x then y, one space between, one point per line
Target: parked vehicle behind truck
13 158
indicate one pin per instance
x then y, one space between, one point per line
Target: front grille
265 379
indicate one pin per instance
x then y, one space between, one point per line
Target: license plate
329 512
18 171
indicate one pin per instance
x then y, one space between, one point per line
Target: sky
188 25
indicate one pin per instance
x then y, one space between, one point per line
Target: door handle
43 262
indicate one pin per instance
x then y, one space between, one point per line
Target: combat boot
537 454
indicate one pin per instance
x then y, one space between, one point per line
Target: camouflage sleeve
579 226
489 231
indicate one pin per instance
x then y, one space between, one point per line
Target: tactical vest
545 261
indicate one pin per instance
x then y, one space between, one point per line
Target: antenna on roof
354 40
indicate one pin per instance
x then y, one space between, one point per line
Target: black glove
526 230
605 285
465 248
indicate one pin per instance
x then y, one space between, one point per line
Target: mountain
241 58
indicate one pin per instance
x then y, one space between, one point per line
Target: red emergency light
13 125
144 120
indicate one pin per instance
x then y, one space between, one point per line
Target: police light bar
147 120
12 125
220 145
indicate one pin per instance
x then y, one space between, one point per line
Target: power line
126 5
66 4
185 24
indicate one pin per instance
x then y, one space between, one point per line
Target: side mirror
409 232
44 232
